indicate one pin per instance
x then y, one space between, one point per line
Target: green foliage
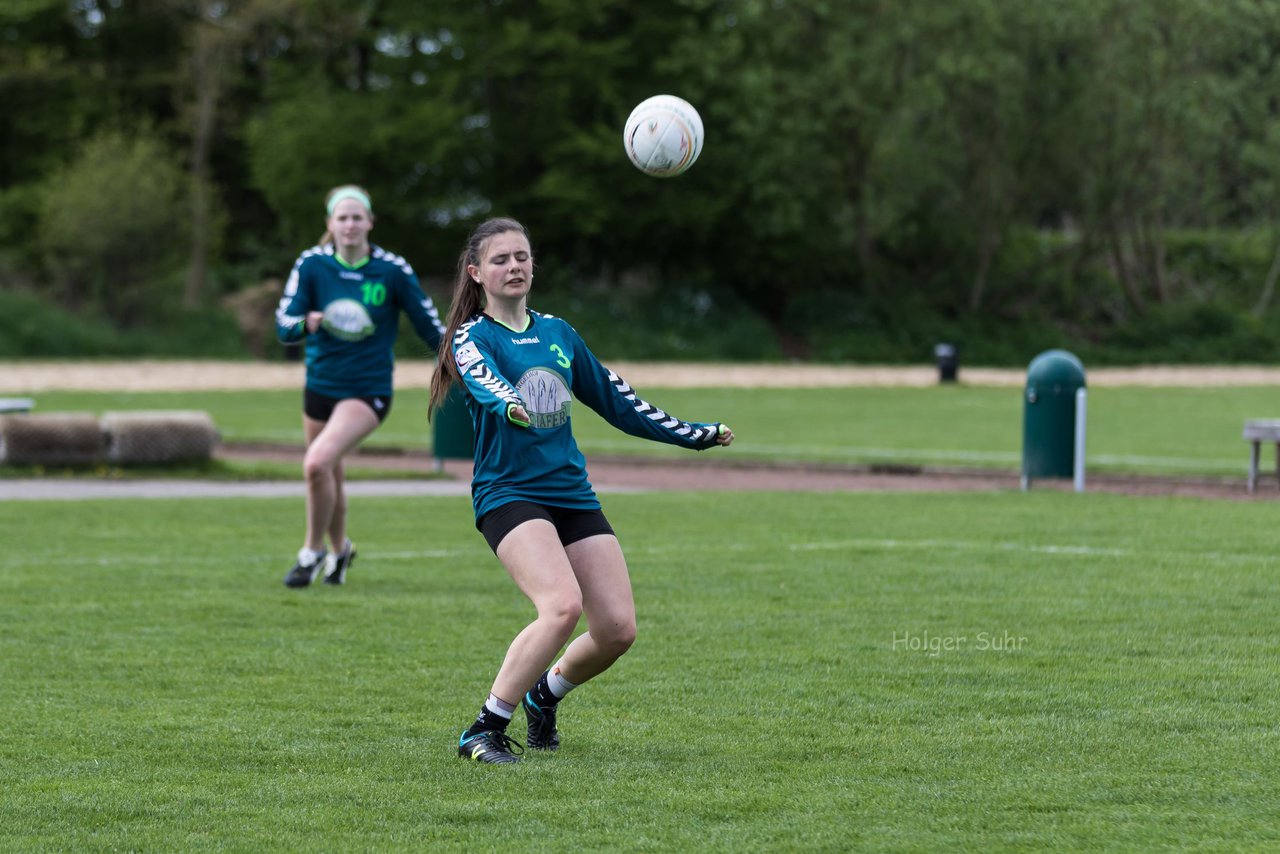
19 208
901 156
1114 688
1229 266
320 137
35 328
666 323
113 227
202 333
1209 332
1043 295
17 11
904 330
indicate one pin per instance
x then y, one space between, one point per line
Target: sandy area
32 377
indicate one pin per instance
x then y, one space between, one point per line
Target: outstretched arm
422 312
617 402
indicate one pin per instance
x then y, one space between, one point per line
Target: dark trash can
948 359
453 433
1053 418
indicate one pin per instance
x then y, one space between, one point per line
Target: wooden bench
1257 432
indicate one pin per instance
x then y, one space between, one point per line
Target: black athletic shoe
338 565
490 746
301 576
542 725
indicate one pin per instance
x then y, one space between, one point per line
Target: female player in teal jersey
533 502
345 296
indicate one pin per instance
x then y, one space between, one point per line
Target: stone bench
1256 432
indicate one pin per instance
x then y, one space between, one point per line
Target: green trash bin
453 435
1053 408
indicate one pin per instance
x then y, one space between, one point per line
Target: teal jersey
543 368
384 285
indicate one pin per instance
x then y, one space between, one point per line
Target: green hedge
1040 297
33 328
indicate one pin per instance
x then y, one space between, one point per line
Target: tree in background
112 227
872 170
1262 155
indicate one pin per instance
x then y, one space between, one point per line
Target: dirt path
699 473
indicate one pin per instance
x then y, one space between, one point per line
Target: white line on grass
1181 462
976 546
967 545
57 489
52 559
1034 548
868 543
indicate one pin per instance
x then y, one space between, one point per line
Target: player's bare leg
601 572
327 442
535 559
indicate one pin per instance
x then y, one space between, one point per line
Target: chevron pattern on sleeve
463 333
392 258
653 413
283 319
493 384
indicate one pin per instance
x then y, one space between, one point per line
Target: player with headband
344 298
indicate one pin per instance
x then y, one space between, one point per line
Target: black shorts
320 407
572 525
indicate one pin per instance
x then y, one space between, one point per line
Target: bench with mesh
157 437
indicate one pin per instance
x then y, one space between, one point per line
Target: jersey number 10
375 293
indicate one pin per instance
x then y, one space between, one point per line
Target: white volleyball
663 136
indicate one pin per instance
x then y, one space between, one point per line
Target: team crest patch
347 320
546 397
467 355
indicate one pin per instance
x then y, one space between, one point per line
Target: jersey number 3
561 359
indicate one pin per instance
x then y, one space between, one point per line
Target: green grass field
1146 430
978 672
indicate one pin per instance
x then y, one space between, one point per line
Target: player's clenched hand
517 415
724 436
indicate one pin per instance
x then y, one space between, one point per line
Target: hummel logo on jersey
533 340
346 274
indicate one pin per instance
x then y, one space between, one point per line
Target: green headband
350 193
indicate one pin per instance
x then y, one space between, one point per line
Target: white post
1081 406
